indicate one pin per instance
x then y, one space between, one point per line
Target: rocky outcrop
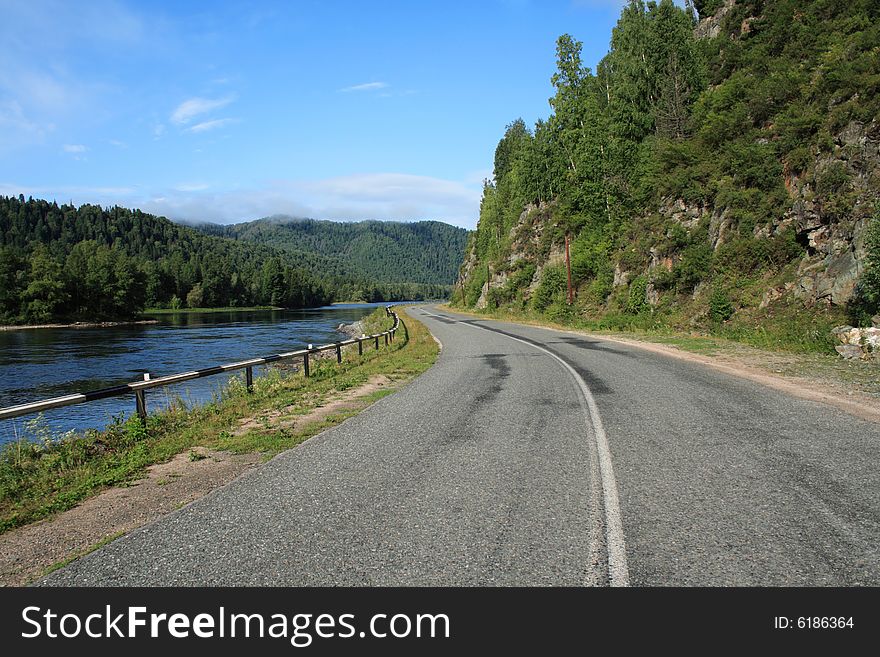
709 27
830 219
858 343
353 330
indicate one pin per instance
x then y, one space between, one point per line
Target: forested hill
418 252
91 263
719 170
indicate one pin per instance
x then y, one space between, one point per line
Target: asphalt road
527 456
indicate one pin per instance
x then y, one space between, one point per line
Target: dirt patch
290 417
27 552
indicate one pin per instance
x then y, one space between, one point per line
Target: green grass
230 309
38 479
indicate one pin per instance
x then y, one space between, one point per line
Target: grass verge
38 479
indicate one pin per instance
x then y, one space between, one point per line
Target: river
37 364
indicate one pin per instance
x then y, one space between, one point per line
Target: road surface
527 456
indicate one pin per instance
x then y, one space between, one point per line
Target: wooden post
386 339
140 400
377 343
338 354
568 271
360 347
306 362
249 378
488 284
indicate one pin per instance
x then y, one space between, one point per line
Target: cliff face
766 203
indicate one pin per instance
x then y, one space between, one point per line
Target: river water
37 364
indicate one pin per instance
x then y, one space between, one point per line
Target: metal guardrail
139 387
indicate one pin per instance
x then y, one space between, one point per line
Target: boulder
849 352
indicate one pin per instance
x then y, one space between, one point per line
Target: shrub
552 285
720 307
636 301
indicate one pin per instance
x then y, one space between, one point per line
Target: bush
551 287
694 267
636 301
720 307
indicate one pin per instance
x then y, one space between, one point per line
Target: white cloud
383 196
74 148
209 125
189 109
367 86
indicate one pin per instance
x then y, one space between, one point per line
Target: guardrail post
377 343
386 338
249 378
306 362
140 400
360 346
338 354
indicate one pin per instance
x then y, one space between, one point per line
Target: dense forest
91 263
708 171
418 252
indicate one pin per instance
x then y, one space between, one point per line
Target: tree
195 298
45 291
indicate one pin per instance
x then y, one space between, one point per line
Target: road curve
528 456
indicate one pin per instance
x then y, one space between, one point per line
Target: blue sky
230 111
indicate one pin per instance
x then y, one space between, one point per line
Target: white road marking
618 570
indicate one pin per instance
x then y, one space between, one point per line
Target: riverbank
77 325
87 490
192 311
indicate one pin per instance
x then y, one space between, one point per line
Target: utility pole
488 284
568 271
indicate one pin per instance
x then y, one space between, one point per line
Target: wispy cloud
366 86
193 107
74 148
192 187
117 143
204 126
40 85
